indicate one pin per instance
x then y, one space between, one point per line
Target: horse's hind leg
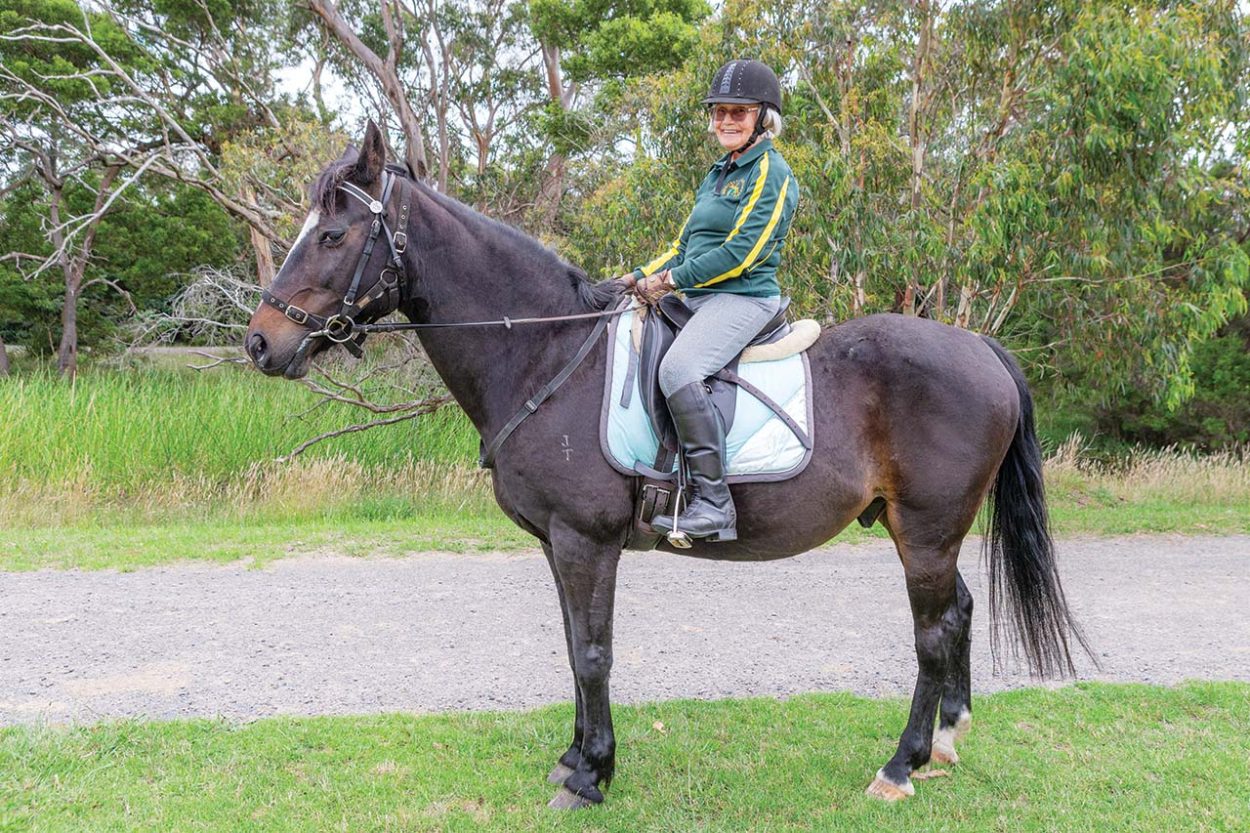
931 582
955 717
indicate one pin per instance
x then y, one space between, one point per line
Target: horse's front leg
587 574
569 760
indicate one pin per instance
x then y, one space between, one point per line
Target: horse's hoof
888 790
943 753
559 775
569 800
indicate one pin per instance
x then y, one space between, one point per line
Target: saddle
659 329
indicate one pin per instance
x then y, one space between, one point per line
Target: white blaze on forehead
314 217
310 223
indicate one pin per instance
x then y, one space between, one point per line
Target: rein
343 328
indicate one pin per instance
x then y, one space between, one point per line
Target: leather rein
343 328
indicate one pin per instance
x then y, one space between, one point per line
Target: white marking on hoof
559 775
943 749
569 800
963 724
887 790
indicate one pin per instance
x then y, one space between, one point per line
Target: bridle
343 327
387 291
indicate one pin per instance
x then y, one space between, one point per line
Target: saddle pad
760 446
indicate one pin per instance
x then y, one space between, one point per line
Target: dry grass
1147 475
302 487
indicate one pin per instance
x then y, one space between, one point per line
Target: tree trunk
67 353
74 263
4 359
385 73
553 176
260 244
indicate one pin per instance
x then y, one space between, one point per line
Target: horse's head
345 268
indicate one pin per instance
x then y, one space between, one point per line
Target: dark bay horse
927 417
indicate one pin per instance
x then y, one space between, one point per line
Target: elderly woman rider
724 261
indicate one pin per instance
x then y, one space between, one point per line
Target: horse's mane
592 296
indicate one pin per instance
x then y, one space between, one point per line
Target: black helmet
745 82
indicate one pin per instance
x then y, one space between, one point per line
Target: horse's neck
492 370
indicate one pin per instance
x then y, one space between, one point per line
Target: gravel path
335 635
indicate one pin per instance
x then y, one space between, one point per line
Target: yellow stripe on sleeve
755 196
759 244
673 251
651 267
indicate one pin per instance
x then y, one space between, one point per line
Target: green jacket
731 242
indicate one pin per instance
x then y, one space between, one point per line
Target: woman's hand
651 288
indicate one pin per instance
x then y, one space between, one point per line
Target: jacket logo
732 189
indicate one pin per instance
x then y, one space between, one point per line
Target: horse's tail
1021 553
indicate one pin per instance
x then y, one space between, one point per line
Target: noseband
386 293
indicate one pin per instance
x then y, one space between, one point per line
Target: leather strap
734 378
487 460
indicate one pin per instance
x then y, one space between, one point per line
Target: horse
929 419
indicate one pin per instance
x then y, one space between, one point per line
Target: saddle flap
656 337
658 334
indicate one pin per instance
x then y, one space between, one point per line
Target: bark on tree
4 359
919 104
260 243
384 70
74 264
562 96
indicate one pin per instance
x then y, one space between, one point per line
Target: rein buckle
339 328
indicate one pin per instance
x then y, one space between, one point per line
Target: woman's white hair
773 124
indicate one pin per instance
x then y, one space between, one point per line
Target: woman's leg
721 326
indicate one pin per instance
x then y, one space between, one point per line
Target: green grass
130 547
1083 758
126 469
118 431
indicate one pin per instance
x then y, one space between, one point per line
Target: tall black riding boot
701 434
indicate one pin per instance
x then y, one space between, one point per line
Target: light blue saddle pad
760 446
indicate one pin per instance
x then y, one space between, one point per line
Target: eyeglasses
733 113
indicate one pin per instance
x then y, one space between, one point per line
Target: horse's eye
333 237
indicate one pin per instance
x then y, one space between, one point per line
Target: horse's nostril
257 348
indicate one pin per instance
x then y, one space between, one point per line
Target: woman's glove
651 288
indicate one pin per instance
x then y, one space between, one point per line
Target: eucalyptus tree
56 102
1070 176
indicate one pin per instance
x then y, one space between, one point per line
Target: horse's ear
372 156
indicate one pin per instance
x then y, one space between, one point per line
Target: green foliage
1217 415
48 63
1069 177
153 236
604 39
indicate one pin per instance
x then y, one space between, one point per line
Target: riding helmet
745 82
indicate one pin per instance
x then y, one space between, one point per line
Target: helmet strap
758 131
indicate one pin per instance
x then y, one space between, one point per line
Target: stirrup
680 540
